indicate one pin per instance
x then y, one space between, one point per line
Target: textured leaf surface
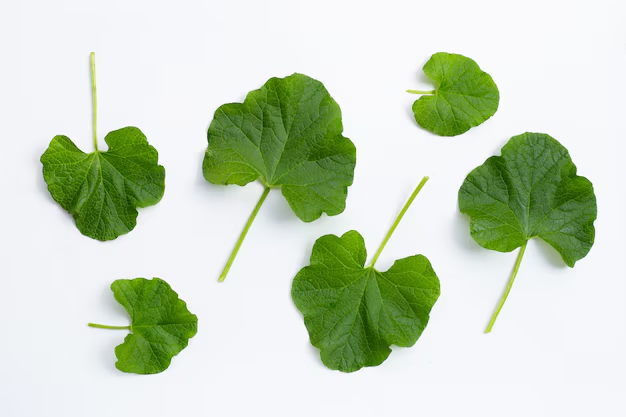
353 314
102 190
532 190
288 134
161 325
465 96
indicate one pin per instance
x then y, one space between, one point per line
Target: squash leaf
355 313
161 325
287 135
531 190
102 190
464 97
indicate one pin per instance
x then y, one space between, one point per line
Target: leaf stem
395 224
244 232
102 326
520 255
420 92
94 99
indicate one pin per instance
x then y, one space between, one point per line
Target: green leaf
161 325
355 313
531 190
102 190
465 96
288 135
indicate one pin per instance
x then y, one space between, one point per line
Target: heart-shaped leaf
161 325
464 97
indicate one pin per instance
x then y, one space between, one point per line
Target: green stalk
94 100
518 262
102 326
395 224
244 232
420 92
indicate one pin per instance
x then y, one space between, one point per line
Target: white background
559 346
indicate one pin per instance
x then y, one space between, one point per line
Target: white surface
559 346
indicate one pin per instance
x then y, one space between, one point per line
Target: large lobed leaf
353 313
531 190
288 134
102 190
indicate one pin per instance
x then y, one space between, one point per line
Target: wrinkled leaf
161 325
532 190
287 134
465 96
102 190
355 313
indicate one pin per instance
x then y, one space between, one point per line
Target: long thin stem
420 92
102 326
244 232
94 99
520 255
395 224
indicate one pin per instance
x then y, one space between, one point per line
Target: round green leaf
355 313
161 325
465 96
531 190
102 190
288 134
